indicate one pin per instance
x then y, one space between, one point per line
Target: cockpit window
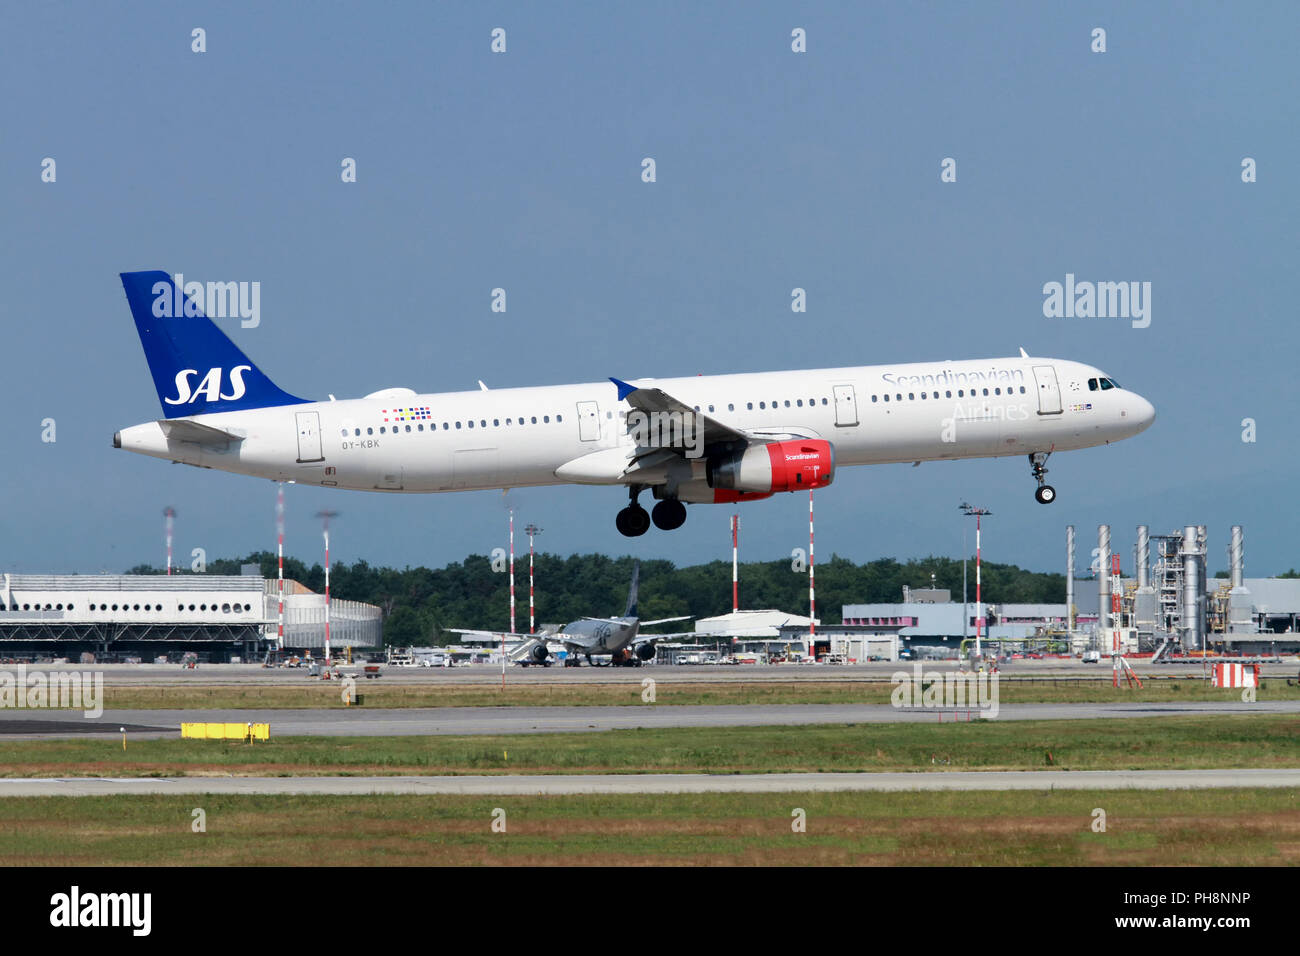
1106 384
1092 385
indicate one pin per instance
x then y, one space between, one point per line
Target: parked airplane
716 439
619 637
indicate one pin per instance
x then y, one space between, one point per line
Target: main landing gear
634 521
1045 494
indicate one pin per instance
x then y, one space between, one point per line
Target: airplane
619 637
705 439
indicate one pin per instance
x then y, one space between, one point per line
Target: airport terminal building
140 618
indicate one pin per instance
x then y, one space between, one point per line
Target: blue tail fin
631 594
196 368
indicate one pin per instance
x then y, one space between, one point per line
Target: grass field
1194 742
376 694
1176 828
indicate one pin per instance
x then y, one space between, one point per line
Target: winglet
624 389
1023 353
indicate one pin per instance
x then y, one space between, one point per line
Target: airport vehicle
707 439
619 637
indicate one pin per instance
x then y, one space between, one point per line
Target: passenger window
546 419
408 428
886 397
948 394
534 419
749 406
986 391
997 391
496 423
710 408
357 433
911 396
824 402
762 405
873 398
370 431
458 424
382 430
470 423
731 406
787 403
559 418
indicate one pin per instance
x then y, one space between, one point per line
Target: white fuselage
400 441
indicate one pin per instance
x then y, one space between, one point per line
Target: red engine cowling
780 466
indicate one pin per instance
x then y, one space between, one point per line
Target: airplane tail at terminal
196 368
631 595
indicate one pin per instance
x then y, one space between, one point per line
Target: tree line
419 604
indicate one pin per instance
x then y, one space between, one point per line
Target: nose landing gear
1045 494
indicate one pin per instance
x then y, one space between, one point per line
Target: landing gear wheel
669 514
633 521
1045 494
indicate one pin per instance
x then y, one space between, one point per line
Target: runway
397 722
556 785
240 675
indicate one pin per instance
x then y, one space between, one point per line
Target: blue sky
775 170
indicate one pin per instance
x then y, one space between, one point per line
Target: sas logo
210 386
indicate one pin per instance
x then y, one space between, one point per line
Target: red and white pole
169 516
812 590
325 517
279 548
532 531
1115 585
327 590
512 571
979 617
735 564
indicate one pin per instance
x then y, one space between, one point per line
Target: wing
651 638
496 635
666 620
657 400
658 448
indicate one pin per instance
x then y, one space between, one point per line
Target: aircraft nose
1143 413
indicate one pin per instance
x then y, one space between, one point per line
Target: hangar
142 617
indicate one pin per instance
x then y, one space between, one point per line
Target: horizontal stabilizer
184 430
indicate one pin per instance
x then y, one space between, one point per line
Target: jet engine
539 653
779 466
645 651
